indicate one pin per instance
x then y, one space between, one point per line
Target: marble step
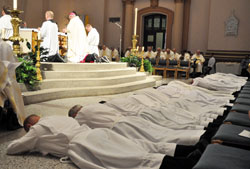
87 73
52 66
58 93
89 82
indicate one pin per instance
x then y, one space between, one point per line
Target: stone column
178 25
186 16
128 23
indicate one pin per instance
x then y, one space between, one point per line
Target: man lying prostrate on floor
158 113
202 112
203 97
219 82
103 116
87 148
228 78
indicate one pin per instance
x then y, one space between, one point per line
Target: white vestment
49 34
104 116
107 52
199 62
6 27
127 53
166 115
9 88
115 54
221 83
149 54
87 148
77 40
93 41
186 57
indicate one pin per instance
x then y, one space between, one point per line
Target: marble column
128 23
178 25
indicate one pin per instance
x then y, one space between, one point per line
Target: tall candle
14 4
136 10
39 35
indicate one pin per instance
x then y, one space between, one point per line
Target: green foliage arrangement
133 61
26 72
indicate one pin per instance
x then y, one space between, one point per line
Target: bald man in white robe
87 148
9 88
103 116
77 39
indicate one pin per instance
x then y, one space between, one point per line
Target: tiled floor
55 107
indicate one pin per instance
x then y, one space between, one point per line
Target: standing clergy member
6 29
77 39
93 39
49 34
87 148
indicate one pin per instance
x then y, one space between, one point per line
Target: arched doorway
154 31
156 11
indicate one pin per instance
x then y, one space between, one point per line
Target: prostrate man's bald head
30 121
74 110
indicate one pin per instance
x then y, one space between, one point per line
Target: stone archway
156 10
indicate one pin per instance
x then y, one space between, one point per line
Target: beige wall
170 4
217 39
199 25
112 35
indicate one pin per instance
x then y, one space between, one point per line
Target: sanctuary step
65 80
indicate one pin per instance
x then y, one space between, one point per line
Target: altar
31 34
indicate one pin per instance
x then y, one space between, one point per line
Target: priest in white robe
9 88
150 53
175 55
63 136
77 39
93 39
103 116
115 55
49 35
6 29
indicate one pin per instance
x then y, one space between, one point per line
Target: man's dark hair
74 110
6 10
27 121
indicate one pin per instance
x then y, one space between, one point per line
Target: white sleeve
24 144
43 29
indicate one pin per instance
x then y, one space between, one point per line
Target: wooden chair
160 65
184 66
171 67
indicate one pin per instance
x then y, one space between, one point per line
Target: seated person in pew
128 52
175 55
105 53
150 53
160 54
115 54
198 60
169 54
63 137
133 127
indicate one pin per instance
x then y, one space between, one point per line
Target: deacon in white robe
77 39
9 88
103 116
93 39
49 34
175 55
169 54
87 148
199 60
6 29
167 115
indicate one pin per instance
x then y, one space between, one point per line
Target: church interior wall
220 12
170 4
199 25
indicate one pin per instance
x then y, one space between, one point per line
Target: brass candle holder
142 62
134 42
38 65
16 36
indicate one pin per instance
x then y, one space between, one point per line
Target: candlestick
39 35
14 4
136 10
